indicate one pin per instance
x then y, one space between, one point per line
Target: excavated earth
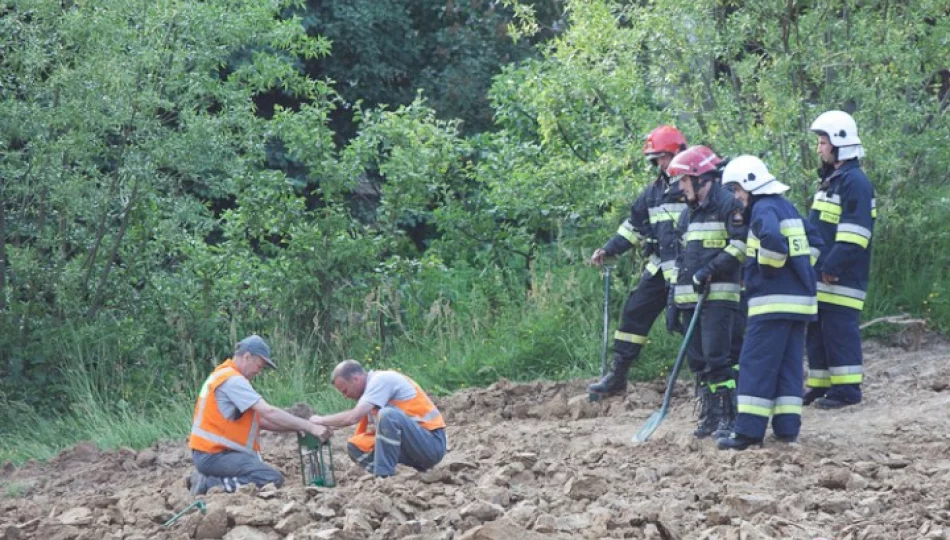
531 461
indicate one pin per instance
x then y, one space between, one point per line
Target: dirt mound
530 461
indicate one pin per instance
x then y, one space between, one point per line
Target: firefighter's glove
701 281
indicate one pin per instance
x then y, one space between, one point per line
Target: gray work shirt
385 386
235 397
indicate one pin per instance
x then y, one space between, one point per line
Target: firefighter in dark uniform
652 224
780 287
843 212
713 235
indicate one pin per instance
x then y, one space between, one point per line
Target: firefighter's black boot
709 414
614 382
735 441
813 394
727 400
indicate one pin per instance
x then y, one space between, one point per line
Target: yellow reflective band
731 383
665 216
793 231
725 296
851 378
852 238
813 382
825 206
787 409
771 258
839 300
735 252
874 213
754 410
630 338
778 307
753 242
689 298
705 235
714 244
628 234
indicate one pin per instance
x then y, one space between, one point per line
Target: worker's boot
614 382
709 413
813 394
727 400
736 441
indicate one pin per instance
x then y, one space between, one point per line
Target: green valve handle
316 461
199 504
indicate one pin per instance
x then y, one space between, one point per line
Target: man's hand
828 278
597 259
321 432
701 281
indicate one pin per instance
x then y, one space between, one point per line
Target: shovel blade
650 426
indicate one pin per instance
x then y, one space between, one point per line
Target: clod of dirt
357 521
76 516
254 512
502 529
834 478
244 532
292 522
546 523
581 407
213 525
523 513
494 495
750 505
585 487
482 511
146 458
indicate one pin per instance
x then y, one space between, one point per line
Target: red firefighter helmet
694 161
664 140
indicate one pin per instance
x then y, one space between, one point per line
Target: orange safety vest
420 408
211 432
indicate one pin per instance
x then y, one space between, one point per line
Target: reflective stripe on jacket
713 237
843 211
211 432
420 408
652 223
778 273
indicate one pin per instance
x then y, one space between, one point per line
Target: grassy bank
553 333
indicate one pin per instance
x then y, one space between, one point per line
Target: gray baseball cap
255 345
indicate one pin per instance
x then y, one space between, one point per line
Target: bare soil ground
531 461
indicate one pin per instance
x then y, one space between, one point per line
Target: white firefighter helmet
839 126
752 175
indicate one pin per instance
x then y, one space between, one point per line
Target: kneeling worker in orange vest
396 422
229 416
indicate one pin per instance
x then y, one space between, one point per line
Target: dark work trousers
771 381
231 470
835 360
709 349
641 309
738 332
400 439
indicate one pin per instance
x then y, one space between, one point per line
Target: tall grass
551 330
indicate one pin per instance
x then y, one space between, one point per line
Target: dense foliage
176 174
